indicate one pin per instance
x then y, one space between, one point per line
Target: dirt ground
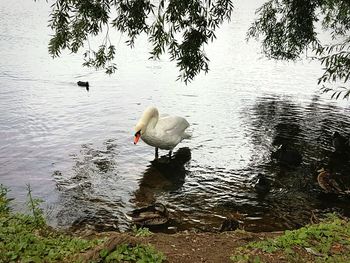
187 247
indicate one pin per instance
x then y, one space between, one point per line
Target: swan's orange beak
137 137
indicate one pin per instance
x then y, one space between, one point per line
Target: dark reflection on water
308 130
83 193
163 175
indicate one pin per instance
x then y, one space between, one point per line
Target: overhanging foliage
180 27
288 27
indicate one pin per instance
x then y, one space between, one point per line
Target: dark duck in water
262 185
83 84
287 156
340 143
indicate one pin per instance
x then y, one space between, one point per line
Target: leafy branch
336 59
287 29
181 28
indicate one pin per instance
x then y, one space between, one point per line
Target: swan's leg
156 153
170 152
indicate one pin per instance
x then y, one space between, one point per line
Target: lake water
75 148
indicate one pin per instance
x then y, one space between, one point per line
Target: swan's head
139 128
150 115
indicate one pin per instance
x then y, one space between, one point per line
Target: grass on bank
327 241
27 238
127 253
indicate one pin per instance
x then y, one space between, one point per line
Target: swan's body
164 132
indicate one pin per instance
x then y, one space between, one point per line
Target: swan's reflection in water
163 174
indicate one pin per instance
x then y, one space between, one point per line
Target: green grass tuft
328 241
129 253
141 231
26 238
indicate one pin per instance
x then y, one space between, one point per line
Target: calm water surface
76 150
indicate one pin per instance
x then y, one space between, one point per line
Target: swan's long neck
152 122
152 116
149 119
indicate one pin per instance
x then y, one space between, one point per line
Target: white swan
163 132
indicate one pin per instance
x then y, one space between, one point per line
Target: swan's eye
138 133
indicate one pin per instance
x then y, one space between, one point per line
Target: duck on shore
229 224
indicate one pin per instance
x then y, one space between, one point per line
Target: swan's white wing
172 125
163 115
